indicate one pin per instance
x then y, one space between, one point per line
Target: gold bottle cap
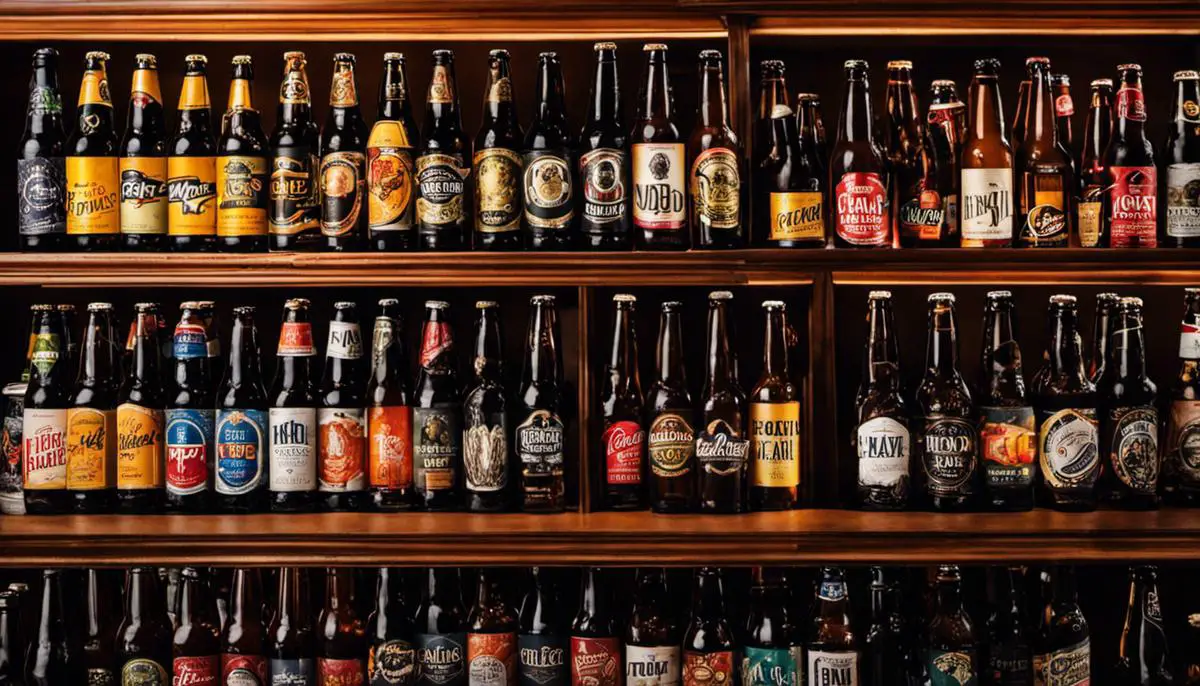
1187 75
1037 60
150 61
479 304
296 303
344 57
1107 83
242 59
624 298
879 295
393 56
196 58
97 55
604 45
900 64
652 47
720 295
943 83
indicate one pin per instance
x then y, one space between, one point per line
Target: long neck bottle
295 198
100 602
987 165
243 649
541 639
1044 170
708 642
341 417
55 654
1007 434
948 437
192 164
391 656
1131 204
292 468
487 461
659 200
951 652
144 635
441 638
190 416
1181 478
549 179
443 164
1129 427
391 184
622 404
832 650
595 639
540 439
438 413
140 442
883 644
1143 656
722 443
604 220
389 414
242 192
241 433
1010 653
858 171
1106 312
340 634
143 161
497 162
1093 174
1069 637
1181 225
289 634
40 166
92 168
882 441
775 419
91 420
671 432
196 648
715 178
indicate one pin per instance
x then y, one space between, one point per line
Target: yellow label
144 195
91 448
94 88
439 87
192 191
194 95
343 91
775 442
239 96
391 184
140 461
145 87
797 216
241 196
1089 224
92 195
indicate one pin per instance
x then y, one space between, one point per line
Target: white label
826 669
987 204
44 449
883 449
1189 342
652 666
659 187
345 341
293 463
1183 200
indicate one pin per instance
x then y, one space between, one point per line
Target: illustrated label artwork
93 187
392 663
243 670
45 449
1183 200
241 438
1134 447
497 190
1068 445
41 204
492 659
195 670
720 450
948 668
1008 445
659 186
1045 222
91 448
442 181
923 215
883 452
539 445
543 660
342 449
797 216
295 192
652 665
391 184
549 190
672 442
143 195
437 441
987 204
775 441
604 185
242 196
768 667
343 182
293 461
1182 452
389 433
1133 207
716 188
333 672
595 661
708 669
139 447
862 209
192 196
624 444
442 659
143 672
949 455
189 439
1070 666
827 668
1090 215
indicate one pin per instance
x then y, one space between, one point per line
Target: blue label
241 449
190 342
189 440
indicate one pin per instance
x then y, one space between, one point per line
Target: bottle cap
999 295
482 304
941 297
196 58
604 45
774 305
498 52
1131 301
1062 299
388 302
1186 75
393 57
146 60
711 55
943 83
344 57
296 303
542 300
437 305
624 298
987 63
345 305
97 55
720 296
99 307
856 64
879 295
899 64
1106 83
652 47
1132 66
1037 60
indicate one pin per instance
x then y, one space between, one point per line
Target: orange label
92 195
140 452
91 449
192 196
389 433
775 443
341 458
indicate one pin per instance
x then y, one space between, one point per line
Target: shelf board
631 538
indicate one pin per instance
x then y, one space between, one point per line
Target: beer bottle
671 439
212 341
196 648
948 438
12 654
190 417
1007 438
1021 115
987 165
652 652
55 653
391 658
1106 310
882 441
1128 416
192 164
487 464
789 177
540 437
172 583
292 468
1093 174
1130 210
1181 162
888 654
1064 109
343 161
295 146
41 171
389 415
946 131
391 186
818 123
1009 653
491 634
660 218
622 407
541 640
919 217
241 426
1065 404
26 620
144 636
70 346
549 180
775 420
1181 458
497 162
595 636
242 194
341 638
767 658
1143 656
708 642
140 421
100 630
437 414
92 170
1191 670
92 417
45 419
341 416
1068 643
715 181
722 445
952 649
289 633
143 162
441 630
603 168
243 653
442 166
1044 169
858 170
832 649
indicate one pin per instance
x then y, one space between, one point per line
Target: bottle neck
441 586
393 94
1066 356
288 603
713 110
1098 128
720 353
708 602
190 604
1041 124
145 350
551 111
591 603
243 354
902 110
1001 357
882 361
498 100
986 121
857 123
246 608
656 103
1127 353
1131 111
950 597
1187 94
487 347
775 345
99 361
941 352
670 351
606 92
339 589
52 610
651 589
44 113
141 596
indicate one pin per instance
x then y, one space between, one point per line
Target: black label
441 659
392 662
441 184
293 672
41 196
437 445
949 455
543 661
720 451
549 189
245 186
539 442
1010 665
603 174
295 193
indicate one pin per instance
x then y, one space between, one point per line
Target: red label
707 669
1131 104
1064 106
492 658
435 340
389 435
1133 207
193 671
625 443
296 340
862 212
243 670
332 672
595 661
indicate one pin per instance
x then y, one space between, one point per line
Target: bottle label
241 439
143 195
720 450
1045 222
652 666
41 201
539 442
293 672
1130 103
391 662
485 450
543 660
45 449
884 446
93 184
595 661
497 190
343 92
549 190
987 204
1189 341
343 180
1008 446
1069 446
862 209
659 188
44 352
441 659
441 184
797 216
603 173
140 443
296 340
101 676
295 192
342 449
389 435
949 456
345 341
1134 447
1064 106
91 448
1183 200
708 669
335 672
1070 666
672 442
1183 442
716 189
775 440
1089 213
436 338
189 437
624 445
923 216
143 672
242 196
391 185
437 443
293 462
951 668
1010 665
243 670
768 667
191 196
1133 207
826 668
492 659
12 499
190 341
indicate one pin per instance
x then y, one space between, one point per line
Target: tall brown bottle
623 440
340 636
604 216
775 420
722 442
549 182
101 599
143 162
196 650
242 189
497 162
144 635
947 120
1130 213
92 418
595 636
1044 178
389 415
715 180
858 171
343 162
832 650
491 634
243 650
92 170
789 181
1181 166
539 439
918 216
295 148
141 442
289 634
987 165
1007 433
1064 109
669 417
1181 452
192 164
1093 172
341 417
437 414
443 165
487 456
660 219
652 647
391 185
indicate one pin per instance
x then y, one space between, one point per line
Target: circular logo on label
1046 221
1135 450
1190 109
242 677
488 670
1189 447
949 455
883 446
40 191
393 663
142 672
547 182
660 166
1070 454
671 444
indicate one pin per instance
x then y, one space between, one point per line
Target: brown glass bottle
289 633
709 645
549 184
343 162
946 122
41 170
443 214
1181 166
243 649
1093 172
196 649
1064 109
100 600
775 419
140 439
488 465
389 415
987 165
143 162
660 219
858 171
623 440
192 164
541 634
1130 209
55 651
340 636
1143 655
595 654
722 445
1128 406
604 215
1044 169
497 162
292 417
437 414
1020 116
143 644
190 416
715 179
1007 432
44 449
1180 475
242 188
882 440
952 649
491 633
790 178
391 658
341 416
441 626
295 209
391 184
539 438
671 436
92 417
832 649
93 180
919 215
241 435
652 648
1106 310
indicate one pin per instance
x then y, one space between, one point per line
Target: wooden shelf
636 538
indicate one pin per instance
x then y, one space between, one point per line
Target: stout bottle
144 641
987 165
775 419
497 162
55 652
92 417
44 439
1067 640
190 418
92 171
549 177
487 459
295 210
143 162
1064 109
715 180
789 183
1093 174
952 648
140 439
1181 166
722 446
437 414
491 634
1181 454
595 638
767 658
241 434
101 599
41 171
622 407
919 215
889 647
389 415
340 636
948 438
391 658
341 416
858 171
289 633
1007 438
292 466
192 164
660 219
391 185
832 648
1143 656
946 132
1106 312
243 649
882 441
1044 169
444 163
542 403
652 653
541 640
1009 653
1130 210
242 193
196 648
671 438
709 649
441 630
604 220
1128 405
343 161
